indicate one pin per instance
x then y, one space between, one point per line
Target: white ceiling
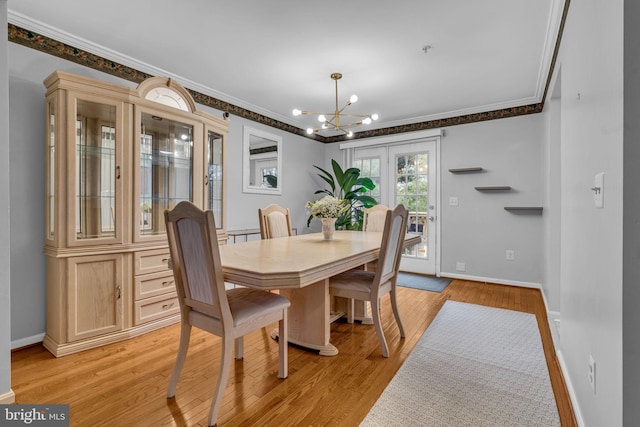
272 56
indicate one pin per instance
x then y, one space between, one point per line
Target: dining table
299 267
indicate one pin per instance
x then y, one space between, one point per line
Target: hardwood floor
124 384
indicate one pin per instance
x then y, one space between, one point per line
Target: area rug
419 281
474 366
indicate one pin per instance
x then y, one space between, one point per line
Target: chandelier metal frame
331 120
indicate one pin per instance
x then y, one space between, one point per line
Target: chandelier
331 121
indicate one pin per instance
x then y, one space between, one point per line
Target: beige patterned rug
474 366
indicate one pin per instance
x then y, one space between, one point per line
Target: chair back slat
277 225
195 262
374 217
196 259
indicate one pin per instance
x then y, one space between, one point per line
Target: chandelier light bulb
367 121
322 118
324 126
353 99
374 116
309 131
296 112
349 134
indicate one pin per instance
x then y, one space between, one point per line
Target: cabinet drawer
152 261
155 308
154 284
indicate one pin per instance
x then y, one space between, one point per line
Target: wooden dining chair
370 286
372 220
204 302
275 221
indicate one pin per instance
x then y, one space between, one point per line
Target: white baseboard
7 398
570 389
23 342
492 280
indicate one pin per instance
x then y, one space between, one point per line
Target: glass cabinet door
50 165
214 177
96 167
165 169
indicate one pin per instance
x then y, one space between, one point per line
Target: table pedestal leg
309 317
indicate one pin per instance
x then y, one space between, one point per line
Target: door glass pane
370 168
95 170
412 179
214 171
166 170
51 161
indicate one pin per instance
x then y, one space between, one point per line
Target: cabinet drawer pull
167 283
167 306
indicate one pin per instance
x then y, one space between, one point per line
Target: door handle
431 218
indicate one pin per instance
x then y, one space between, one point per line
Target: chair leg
375 312
185 335
223 375
350 310
283 346
239 350
396 313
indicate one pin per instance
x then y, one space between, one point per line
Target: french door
406 174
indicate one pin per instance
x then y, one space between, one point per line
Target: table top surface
297 261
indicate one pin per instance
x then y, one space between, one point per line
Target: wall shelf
535 210
494 188
466 170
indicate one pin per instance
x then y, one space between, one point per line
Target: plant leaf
337 170
327 177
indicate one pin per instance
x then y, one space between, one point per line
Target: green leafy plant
350 186
272 181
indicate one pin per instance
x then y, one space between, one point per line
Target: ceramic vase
328 228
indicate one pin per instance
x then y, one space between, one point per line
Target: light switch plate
598 190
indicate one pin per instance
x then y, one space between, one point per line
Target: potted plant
349 186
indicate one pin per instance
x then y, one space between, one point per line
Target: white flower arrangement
328 207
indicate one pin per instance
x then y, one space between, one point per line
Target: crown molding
66 38
45 38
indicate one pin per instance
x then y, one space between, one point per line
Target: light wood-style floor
124 384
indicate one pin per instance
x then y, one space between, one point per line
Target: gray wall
592 239
479 231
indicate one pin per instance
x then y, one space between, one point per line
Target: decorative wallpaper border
62 50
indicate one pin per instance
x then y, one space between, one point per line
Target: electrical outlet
591 373
510 254
461 266
453 201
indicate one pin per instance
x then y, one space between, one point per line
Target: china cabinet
116 159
